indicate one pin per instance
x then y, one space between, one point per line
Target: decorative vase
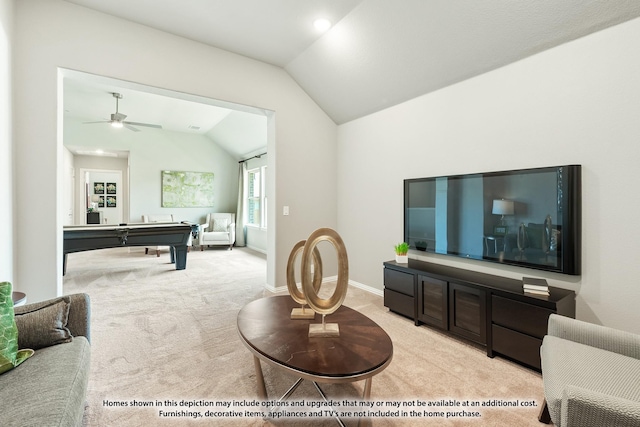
402 259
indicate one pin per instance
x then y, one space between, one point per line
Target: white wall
181 152
6 136
578 103
71 212
53 33
150 152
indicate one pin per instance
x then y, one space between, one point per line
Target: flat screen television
529 217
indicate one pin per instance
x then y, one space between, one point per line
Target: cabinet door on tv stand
468 312
432 302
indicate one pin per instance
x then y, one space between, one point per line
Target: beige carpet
161 336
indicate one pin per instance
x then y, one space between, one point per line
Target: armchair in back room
218 229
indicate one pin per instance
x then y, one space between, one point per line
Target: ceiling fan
117 119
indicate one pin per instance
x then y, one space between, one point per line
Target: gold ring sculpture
320 305
297 295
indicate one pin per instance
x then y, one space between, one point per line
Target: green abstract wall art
187 189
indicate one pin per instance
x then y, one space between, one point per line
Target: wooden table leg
544 416
262 389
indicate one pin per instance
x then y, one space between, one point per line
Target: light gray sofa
591 374
49 388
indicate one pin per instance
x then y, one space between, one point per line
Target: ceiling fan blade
126 124
143 124
103 121
117 119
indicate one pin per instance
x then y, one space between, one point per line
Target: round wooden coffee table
362 350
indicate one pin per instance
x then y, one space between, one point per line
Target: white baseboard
353 283
275 290
366 288
358 285
253 248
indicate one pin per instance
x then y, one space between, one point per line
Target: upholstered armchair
161 218
591 375
219 229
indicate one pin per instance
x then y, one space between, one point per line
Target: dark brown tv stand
490 310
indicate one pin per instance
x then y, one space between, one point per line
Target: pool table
78 238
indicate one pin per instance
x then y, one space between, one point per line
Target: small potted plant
401 253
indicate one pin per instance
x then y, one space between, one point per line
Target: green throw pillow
10 357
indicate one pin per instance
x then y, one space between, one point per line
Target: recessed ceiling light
322 24
95 153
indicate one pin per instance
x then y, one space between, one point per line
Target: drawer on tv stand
520 316
399 281
399 303
518 346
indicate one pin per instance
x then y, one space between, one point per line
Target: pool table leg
179 256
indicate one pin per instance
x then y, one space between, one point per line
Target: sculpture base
303 313
323 330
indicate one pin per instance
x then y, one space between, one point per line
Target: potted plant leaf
401 253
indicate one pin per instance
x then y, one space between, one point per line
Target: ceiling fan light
116 124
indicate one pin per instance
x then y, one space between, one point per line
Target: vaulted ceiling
89 100
378 53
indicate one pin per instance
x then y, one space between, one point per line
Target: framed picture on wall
101 202
187 189
111 201
98 188
111 188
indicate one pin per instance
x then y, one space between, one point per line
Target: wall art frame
182 189
98 188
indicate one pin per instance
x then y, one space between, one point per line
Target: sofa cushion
566 362
44 325
49 389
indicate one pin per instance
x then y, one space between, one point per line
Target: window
257 200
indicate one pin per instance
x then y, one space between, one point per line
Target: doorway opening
230 133
104 196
